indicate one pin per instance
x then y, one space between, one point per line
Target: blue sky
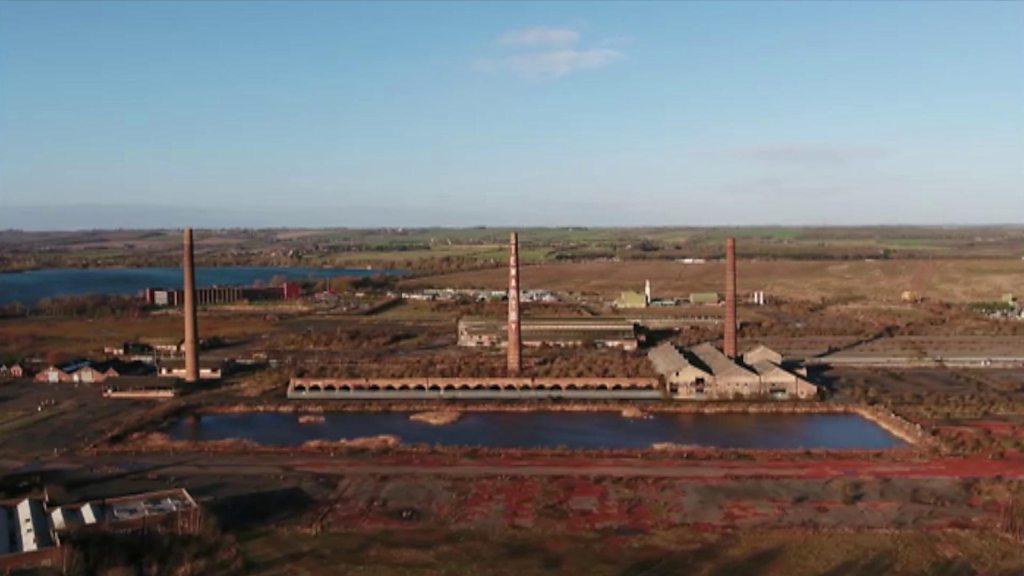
410 114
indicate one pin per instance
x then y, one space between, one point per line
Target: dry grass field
682 551
875 280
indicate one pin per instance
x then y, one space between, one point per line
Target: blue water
578 430
29 287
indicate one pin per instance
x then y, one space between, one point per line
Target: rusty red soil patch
697 470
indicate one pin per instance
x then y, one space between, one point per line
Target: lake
29 287
577 430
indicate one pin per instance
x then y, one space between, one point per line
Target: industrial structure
141 388
558 332
729 344
31 530
474 388
191 322
166 510
514 340
26 538
705 373
223 294
178 368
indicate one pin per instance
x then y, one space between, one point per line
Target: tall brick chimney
515 341
191 326
729 344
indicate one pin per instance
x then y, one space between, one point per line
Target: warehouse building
208 369
141 388
561 332
223 294
703 372
166 511
26 538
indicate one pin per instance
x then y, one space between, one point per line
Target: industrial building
27 540
177 368
473 388
560 332
223 294
703 372
699 298
166 510
633 299
141 388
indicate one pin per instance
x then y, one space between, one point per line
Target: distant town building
631 299
88 371
910 296
13 371
704 298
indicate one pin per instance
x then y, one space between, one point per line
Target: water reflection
594 430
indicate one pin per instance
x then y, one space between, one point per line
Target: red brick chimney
515 342
729 345
191 326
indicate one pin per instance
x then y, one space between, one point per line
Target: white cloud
540 36
544 52
557 63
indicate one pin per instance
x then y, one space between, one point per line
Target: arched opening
617 387
571 387
330 388
494 387
420 388
299 388
602 386
434 388
345 388
316 388
374 388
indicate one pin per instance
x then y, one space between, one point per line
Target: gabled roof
717 363
759 353
666 359
764 368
